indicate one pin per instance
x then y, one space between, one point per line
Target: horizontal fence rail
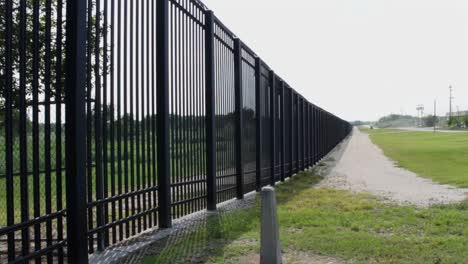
120 116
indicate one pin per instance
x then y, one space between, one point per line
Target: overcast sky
360 59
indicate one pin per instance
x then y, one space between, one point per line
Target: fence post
291 136
320 127
298 135
306 136
314 136
309 133
319 130
327 137
317 135
304 129
300 116
75 130
162 119
258 110
322 138
273 94
210 112
239 117
282 140
306 133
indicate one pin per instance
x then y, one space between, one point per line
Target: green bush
465 121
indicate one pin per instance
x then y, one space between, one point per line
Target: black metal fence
120 116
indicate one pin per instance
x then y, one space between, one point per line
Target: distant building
458 113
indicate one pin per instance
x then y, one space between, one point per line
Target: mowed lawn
443 157
344 225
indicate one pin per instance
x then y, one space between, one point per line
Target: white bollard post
270 250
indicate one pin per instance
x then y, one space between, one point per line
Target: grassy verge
439 156
354 227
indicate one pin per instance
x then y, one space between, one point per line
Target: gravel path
359 165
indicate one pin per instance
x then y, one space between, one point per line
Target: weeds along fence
120 116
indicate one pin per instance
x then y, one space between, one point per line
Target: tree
430 121
44 40
452 121
396 121
465 121
47 42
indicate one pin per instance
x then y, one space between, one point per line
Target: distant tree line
360 123
458 122
394 120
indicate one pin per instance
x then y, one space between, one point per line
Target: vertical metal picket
210 111
75 130
239 118
9 179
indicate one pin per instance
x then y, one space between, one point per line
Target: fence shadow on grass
201 239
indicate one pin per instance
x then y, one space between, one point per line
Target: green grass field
440 156
185 164
351 227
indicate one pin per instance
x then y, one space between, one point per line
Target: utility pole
420 109
417 109
435 115
450 102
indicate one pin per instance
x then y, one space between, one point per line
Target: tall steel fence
120 116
